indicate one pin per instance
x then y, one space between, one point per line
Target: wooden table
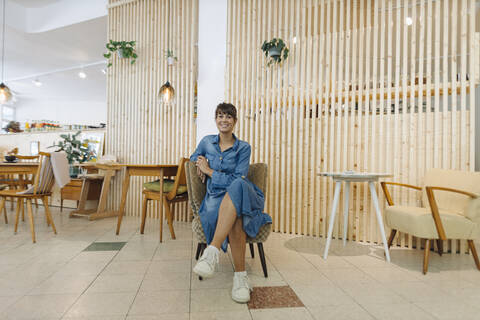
350 176
143 170
18 167
99 212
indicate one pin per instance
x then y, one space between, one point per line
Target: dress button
243 177
221 158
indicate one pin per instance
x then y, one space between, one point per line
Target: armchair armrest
196 188
387 193
434 207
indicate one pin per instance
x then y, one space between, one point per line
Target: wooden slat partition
140 129
362 89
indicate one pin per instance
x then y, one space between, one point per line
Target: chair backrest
44 179
257 173
449 201
180 178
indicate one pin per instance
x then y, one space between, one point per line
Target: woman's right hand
201 175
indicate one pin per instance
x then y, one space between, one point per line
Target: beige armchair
451 210
257 173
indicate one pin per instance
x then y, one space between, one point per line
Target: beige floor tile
160 302
214 300
173 254
116 283
332 262
161 267
344 312
347 275
231 315
171 316
220 280
387 275
397 311
94 256
6 301
102 304
313 296
166 281
300 278
281 314
368 261
81 268
63 284
450 310
126 267
418 291
39 307
365 293
103 317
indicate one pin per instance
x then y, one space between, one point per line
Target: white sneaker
241 289
207 263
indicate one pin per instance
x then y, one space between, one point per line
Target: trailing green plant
76 150
125 49
169 54
275 50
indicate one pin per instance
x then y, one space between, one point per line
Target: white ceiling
34 3
28 54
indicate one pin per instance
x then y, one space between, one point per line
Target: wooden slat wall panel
361 90
141 130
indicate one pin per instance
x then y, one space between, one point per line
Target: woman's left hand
202 164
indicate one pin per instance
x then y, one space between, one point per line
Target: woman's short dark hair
226 108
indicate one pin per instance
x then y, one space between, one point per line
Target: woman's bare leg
227 215
238 243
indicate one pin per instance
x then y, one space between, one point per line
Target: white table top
355 176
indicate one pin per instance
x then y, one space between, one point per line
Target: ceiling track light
37 83
82 74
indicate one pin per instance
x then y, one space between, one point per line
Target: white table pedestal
371 178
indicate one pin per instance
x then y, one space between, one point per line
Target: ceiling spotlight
408 21
37 82
82 74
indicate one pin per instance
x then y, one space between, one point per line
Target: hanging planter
171 58
275 50
124 49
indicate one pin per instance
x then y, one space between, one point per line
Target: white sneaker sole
202 273
238 300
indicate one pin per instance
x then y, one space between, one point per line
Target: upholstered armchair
257 174
450 210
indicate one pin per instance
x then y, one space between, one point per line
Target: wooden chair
23 182
452 213
257 174
42 189
173 192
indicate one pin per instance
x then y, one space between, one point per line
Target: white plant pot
274 52
170 61
120 53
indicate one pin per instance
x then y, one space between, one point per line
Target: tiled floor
56 279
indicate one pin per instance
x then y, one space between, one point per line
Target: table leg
125 186
332 217
373 192
346 199
161 204
100 212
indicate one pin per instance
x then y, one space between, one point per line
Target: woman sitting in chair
233 206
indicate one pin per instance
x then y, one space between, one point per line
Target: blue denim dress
230 175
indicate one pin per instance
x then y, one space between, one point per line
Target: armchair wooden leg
2 208
471 245
440 246
144 213
61 204
425 256
30 217
48 214
17 213
36 203
199 248
168 212
252 253
22 208
392 236
261 253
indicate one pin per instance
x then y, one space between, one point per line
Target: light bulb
5 93
82 74
166 93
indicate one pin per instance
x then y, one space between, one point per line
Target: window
8 114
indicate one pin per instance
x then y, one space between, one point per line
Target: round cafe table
348 177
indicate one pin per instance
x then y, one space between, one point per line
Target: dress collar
216 139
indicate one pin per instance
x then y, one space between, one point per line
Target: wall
361 90
212 42
62 111
141 129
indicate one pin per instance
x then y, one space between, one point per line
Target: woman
233 206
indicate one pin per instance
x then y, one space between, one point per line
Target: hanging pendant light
5 93
167 93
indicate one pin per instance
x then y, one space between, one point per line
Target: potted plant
170 57
77 151
275 50
124 49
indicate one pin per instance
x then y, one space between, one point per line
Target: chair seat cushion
167 186
419 222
